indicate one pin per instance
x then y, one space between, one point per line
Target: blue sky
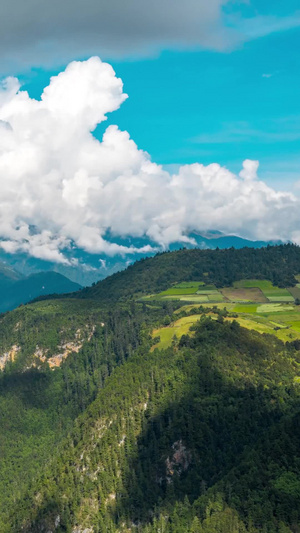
215 83
208 106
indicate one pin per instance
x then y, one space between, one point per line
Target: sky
210 100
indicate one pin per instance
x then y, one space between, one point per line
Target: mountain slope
103 432
278 264
8 276
21 291
187 436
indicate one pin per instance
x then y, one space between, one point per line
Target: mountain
86 268
278 264
109 424
8 276
17 290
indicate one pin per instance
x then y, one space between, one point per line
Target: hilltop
279 264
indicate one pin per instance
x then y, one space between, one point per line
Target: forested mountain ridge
122 436
91 267
278 264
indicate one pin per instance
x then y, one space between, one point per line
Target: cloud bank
54 32
61 187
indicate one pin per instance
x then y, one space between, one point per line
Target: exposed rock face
179 461
9 356
40 354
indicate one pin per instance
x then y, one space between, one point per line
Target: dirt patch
244 295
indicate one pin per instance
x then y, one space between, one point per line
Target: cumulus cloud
61 187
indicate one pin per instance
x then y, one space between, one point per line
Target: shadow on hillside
195 441
30 387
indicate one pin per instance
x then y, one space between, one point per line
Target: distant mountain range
89 268
16 289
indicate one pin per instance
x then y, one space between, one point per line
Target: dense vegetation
38 405
208 427
201 437
279 264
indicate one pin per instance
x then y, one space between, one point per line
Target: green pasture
178 328
274 308
277 318
247 291
286 298
246 308
272 293
174 291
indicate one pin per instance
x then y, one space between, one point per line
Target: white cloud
61 187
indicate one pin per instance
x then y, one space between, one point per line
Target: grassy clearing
247 308
251 324
216 297
295 325
277 319
277 291
178 328
195 298
243 291
274 308
287 298
272 293
174 291
208 291
280 320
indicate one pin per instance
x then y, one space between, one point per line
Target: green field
247 308
246 292
272 293
277 319
274 308
178 328
191 291
174 291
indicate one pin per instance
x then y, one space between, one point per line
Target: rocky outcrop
41 354
179 461
8 356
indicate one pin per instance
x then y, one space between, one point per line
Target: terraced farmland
280 320
270 292
255 304
243 291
